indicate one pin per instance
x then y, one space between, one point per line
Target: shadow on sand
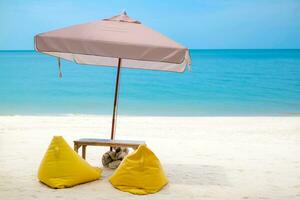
190 174
193 174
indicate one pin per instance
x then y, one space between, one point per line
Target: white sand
204 157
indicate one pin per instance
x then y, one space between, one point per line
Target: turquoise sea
222 82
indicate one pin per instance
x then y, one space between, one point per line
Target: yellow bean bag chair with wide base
139 173
62 167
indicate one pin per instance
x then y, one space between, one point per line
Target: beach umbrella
119 42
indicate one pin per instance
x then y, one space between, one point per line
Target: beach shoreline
203 157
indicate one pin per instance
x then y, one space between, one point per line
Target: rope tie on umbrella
59 68
189 68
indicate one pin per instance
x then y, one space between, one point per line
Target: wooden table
84 142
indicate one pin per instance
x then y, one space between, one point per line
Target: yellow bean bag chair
62 167
139 173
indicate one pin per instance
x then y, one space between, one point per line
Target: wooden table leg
76 147
83 151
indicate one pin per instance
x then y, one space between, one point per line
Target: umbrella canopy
102 42
117 41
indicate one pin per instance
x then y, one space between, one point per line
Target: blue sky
204 24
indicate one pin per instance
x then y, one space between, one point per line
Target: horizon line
8 50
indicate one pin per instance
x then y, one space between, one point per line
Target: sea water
220 83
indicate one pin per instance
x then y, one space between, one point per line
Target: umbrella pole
113 125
